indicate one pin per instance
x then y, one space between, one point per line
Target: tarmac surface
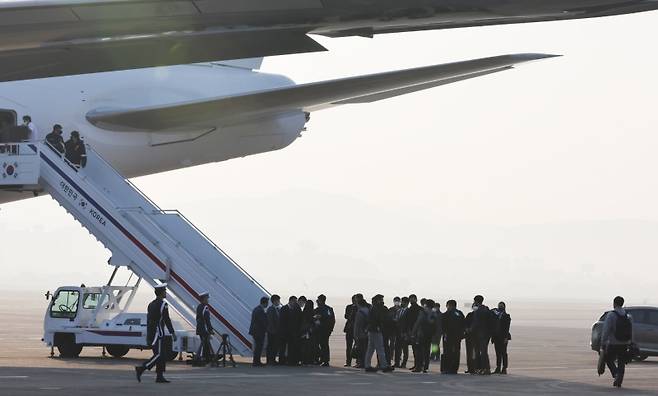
546 358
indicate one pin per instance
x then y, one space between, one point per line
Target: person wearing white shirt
34 132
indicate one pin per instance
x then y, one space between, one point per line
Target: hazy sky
530 183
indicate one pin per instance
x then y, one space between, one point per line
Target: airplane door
7 121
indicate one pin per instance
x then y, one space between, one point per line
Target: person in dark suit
273 336
326 320
350 312
204 330
361 331
402 344
55 139
481 327
389 332
309 343
258 329
423 330
469 342
76 152
290 324
412 317
157 323
501 336
453 323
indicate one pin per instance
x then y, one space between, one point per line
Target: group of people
73 149
297 333
390 332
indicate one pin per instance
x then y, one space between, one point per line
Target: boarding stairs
157 245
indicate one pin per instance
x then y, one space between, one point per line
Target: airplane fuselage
66 101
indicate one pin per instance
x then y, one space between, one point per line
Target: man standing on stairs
75 149
157 320
204 330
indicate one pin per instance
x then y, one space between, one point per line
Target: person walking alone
616 337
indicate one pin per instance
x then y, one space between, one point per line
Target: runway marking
221 376
429 382
360 383
12 376
50 388
327 374
541 368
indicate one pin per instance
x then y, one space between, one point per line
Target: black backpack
623 328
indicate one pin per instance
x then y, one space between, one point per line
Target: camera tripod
224 349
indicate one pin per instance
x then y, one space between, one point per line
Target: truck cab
80 316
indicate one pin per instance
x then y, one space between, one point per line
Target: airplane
157 85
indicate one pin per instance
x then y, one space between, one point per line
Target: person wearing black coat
361 332
391 330
501 336
469 343
258 329
454 325
157 325
290 324
350 313
273 336
204 330
423 330
376 320
325 322
76 152
412 317
55 139
481 329
308 343
402 343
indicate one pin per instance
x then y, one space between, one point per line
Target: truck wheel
117 351
69 349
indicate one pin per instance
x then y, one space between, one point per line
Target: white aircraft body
153 120
142 82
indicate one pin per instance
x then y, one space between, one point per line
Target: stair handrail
198 262
214 245
122 177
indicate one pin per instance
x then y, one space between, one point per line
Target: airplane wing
48 38
313 96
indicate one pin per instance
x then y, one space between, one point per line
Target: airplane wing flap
137 52
235 109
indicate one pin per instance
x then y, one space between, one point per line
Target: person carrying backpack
616 337
422 332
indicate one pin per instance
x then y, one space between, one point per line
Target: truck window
90 300
65 304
